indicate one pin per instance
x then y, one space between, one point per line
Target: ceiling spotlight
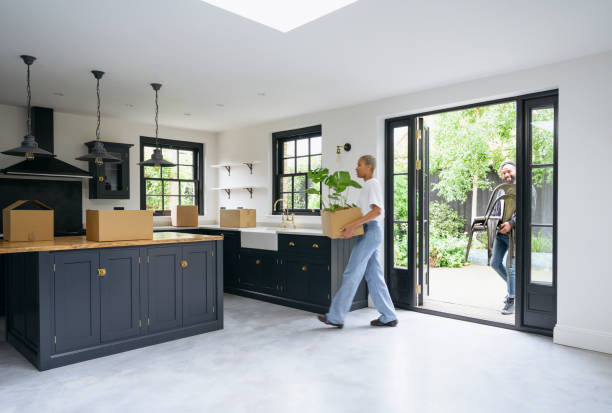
220 105
58 93
129 105
261 94
187 114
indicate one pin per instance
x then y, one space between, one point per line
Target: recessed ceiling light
261 94
187 114
220 105
58 94
129 105
282 15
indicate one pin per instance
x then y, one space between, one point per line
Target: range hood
42 128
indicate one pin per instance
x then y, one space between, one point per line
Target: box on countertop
237 218
113 225
184 215
27 224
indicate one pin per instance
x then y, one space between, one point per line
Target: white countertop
278 230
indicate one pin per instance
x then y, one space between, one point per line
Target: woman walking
364 257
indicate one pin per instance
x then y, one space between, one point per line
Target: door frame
522 230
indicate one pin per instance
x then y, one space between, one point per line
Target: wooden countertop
79 243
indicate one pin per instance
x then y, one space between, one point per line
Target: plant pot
333 222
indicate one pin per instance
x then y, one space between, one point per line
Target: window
162 188
296 152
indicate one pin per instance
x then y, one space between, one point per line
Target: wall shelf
228 165
228 189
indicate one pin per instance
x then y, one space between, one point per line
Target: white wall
72 131
585 150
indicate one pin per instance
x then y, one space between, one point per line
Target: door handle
257 262
304 268
184 264
315 245
291 244
101 272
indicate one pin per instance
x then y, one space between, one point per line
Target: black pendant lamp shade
98 154
157 158
29 147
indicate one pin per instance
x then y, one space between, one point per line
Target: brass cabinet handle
184 264
315 245
101 272
304 268
257 262
291 244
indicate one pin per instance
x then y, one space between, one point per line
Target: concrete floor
275 359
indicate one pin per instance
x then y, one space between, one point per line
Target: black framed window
296 152
162 188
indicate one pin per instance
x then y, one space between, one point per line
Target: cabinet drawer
304 244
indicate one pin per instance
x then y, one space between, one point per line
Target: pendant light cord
98 94
29 120
156 113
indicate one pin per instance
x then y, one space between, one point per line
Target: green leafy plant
337 184
447 239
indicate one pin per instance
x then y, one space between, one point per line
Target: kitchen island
71 299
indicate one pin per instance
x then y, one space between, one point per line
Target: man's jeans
500 247
363 261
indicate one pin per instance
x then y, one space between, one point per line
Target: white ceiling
205 56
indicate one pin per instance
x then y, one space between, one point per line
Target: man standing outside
507 172
364 257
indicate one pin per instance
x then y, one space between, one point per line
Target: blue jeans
500 247
363 261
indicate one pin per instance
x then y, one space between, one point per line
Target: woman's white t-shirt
371 194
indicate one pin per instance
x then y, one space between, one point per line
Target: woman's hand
347 231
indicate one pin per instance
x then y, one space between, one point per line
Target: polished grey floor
275 359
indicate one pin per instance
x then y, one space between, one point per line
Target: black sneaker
323 318
378 323
509 307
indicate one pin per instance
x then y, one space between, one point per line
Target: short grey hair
504 163
369 160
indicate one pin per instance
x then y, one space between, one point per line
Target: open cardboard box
333 222
117 225
27 224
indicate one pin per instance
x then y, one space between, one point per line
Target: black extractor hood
42 128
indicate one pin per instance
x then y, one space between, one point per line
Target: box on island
113 225
333 222
184 215
20 224
237 218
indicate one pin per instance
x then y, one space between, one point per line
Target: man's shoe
378 323
509 307
323 318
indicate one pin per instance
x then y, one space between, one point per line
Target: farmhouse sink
263 238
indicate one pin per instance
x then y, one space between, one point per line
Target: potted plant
336 211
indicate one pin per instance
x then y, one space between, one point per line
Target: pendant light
98 154
29 147
156 158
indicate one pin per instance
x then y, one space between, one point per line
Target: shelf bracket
228 192
250 166
250 191
228 168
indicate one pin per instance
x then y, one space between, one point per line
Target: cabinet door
231 260
119 294
76 300
249 270
199 283
164 288
296 277
269 281
319 282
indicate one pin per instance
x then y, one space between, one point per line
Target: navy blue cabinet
199 283
163 288
119 294
75 300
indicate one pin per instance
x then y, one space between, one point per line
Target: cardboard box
110 225
184 215
237 218
27 224
333 222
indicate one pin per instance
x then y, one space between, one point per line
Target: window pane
299 200
542 196
314 201
541 255
187 200
400 245
302 164
170 201
185 157
302 147
170 155
288 149
542 135
154 202
153 187
169 172
152 171
288 200
148 151
171 188
185 172
400 197
315 162
400 149
315 145
187 188
286 184
289 166
299 183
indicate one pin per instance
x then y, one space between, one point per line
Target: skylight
282 15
